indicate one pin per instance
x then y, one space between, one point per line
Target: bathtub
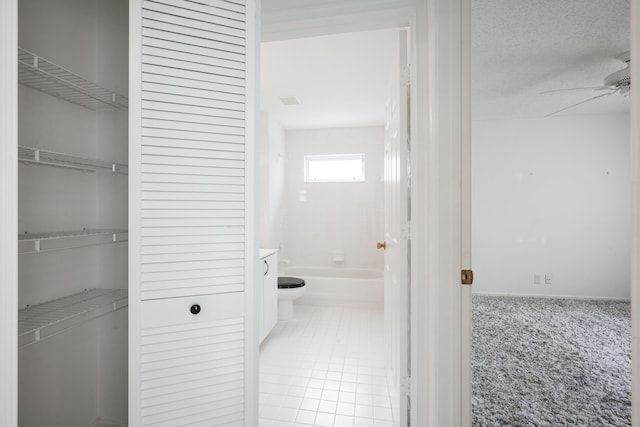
357 287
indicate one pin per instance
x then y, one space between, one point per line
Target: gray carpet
551 362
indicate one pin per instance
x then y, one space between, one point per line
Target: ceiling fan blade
581 102
575 89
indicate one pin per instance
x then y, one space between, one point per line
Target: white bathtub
358 287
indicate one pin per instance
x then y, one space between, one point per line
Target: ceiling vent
290 100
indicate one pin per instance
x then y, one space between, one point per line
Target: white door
397 224
191 231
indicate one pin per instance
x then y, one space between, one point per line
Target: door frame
635 214
8 213
439 119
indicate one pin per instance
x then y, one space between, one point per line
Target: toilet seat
285 282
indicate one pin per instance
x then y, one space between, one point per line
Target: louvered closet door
190 232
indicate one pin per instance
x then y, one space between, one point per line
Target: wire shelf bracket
32 243
31 155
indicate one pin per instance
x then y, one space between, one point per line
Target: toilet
289 289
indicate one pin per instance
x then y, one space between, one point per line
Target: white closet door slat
191 196
233 85
151 159
189 136
183 78
191 187
213 30
150 141
196 62
193 179
171 95
190 204
196 88
192 259
231 126
153 150
193 248
195 234
161 404
222 49
195 127
205 219
204 15
220 8
197 112
226 349
226 59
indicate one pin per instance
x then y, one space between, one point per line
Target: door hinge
405 77
405 386
467 277
405 230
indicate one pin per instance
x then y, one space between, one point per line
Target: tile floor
326 367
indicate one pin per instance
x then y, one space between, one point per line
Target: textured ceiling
520 48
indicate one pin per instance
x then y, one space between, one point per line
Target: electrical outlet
547 279
536 279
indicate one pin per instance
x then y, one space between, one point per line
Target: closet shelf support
44 157
31 243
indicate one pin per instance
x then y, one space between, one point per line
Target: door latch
467 277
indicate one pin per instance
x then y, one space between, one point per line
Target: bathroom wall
272 176
552 197
324 219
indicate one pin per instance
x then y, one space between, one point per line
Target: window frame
334 157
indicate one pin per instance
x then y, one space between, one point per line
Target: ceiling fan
616 82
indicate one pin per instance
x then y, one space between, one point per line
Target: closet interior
72 212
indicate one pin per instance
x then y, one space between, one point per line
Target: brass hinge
467 277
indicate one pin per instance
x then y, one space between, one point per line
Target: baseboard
511 294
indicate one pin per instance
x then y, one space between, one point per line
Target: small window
334 168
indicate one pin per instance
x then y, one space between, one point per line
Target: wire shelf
38 322
43 75
31 243
51 158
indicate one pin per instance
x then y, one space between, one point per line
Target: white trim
9 213
252 274
437 294
135 188
465 214
635 216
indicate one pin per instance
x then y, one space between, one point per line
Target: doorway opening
551 214
327 96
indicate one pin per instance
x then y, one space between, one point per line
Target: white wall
324 218
272 176
552 196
